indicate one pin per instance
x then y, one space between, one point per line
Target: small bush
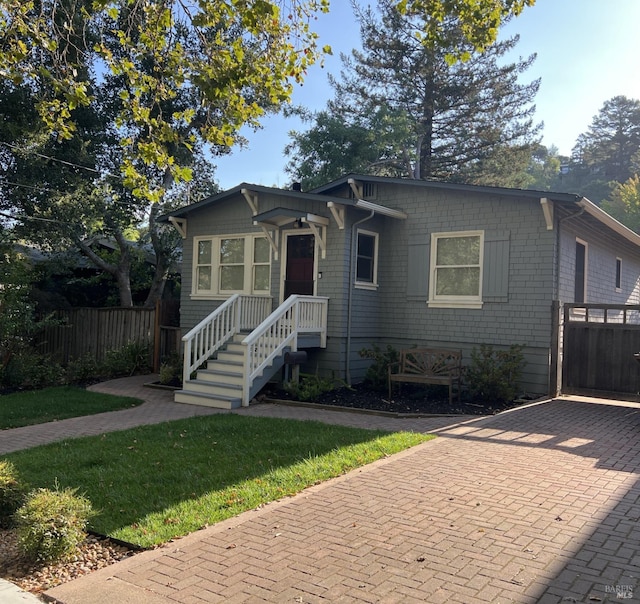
309 387
171 370
51 524
493 375
12 492
28 369
82 370
133 358
377 374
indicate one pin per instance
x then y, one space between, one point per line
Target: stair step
227 377
223 366
214 388
230 356
197 398
235 347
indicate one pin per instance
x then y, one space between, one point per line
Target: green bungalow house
366 261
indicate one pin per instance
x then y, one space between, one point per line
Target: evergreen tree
465 121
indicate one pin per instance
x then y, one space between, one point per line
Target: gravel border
94 552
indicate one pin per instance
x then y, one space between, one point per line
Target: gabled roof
324 194
450 186
219 197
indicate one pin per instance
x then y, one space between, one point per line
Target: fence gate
598 344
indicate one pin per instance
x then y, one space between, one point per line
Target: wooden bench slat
428 366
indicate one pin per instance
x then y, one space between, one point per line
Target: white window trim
215 293
471 302
371 285
586 266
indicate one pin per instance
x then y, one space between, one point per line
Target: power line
62 161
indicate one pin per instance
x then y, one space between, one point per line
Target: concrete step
197 398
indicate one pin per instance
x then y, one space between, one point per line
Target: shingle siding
526 268
602 252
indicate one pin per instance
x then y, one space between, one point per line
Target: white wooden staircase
236 350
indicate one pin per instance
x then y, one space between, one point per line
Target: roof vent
296 186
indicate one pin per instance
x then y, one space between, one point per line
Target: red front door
300 262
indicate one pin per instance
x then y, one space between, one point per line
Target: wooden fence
599 347
95 331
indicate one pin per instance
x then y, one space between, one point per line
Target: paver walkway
541 504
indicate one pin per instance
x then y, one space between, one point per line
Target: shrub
171 370
133 358
377 374
51 524
309 387
493 375
82 370
12 493
28 369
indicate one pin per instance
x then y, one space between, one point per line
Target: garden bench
428 366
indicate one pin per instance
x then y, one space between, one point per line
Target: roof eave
593 210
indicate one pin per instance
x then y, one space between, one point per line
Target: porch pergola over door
299 277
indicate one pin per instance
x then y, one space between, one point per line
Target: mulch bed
406 399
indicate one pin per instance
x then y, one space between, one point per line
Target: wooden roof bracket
252 199
320 234
547 210
356 187
337 212
272 238
180 224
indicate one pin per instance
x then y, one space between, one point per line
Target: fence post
156 337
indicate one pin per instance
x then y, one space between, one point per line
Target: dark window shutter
495 282
418 268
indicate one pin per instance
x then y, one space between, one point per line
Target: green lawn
53 404
154 483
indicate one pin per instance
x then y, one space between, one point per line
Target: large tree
238 59
69 193
467 121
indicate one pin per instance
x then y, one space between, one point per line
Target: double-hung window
456 269
230 264
367 259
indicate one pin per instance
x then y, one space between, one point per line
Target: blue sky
588 51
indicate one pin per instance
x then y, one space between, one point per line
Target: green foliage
401 108
309 387
606 157
478 21
171 370
51 523
27 369
133 358
12 492
493 375
177 77
377 374
624 202
82 370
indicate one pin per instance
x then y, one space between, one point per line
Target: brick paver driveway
537 505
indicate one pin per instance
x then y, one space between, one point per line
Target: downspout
352 281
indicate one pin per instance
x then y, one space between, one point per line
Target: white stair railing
236 314
280 330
